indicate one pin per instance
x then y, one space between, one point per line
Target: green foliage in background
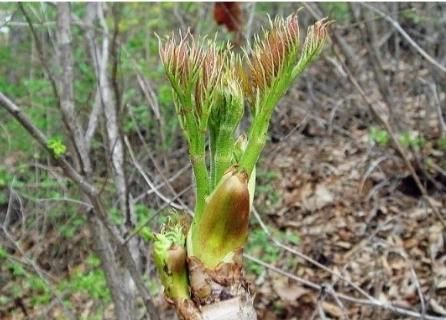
412 140
265 187
57 146
379 136
260 245
338 11
89 281
407 139
442 143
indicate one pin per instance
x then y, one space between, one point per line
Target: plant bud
169 254
229 107
223 228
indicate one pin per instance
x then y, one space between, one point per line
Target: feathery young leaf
193 68
272 56
314 42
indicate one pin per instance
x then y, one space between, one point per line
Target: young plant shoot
202 266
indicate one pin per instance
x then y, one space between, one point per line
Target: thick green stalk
179 288
213 134
228 114
198 160
223 156
256 142
197 154
259 128
258 131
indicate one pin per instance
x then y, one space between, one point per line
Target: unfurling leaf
223 228
273 56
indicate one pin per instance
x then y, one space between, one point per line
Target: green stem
213 134
198 160
256 142
180 286
259 127
223 156
197 153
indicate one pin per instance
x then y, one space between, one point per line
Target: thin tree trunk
65 85
122 295
119 281
100 54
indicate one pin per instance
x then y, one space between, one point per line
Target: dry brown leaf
332 309
436 240
288 292
321 198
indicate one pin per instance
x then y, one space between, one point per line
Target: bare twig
152 100
149 94
369 299
306 258
249 23
164 206
115 145
406 36
40 51
93 119
368 302
368 32
115 150
15 111
166 181
351 58
441 122
150 183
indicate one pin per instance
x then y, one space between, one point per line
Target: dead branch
28 262
151 184
408 38
109 107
